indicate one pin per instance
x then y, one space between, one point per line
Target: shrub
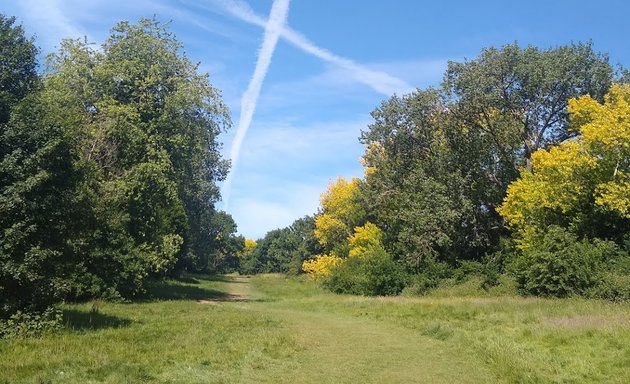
419 285
612 286
614 283
23 324
468 268
431 273
557 264
375 273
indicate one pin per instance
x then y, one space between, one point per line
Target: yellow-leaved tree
365 239
582 184
341 211
248 247
321 266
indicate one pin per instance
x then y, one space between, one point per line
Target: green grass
271 329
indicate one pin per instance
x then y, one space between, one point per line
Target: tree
440 161
365 239
341 211
284 249
145 124
518 97
40 214
41 217
582 184
226 247
18 76
321 266
414 189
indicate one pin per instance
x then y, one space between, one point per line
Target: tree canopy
582 184
440 160
109 167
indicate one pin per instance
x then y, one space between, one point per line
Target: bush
431 273
614 282
557 264
468 268
419 285
612 286
375 273
23 324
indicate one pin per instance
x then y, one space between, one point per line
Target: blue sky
333 63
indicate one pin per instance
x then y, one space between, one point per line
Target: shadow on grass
197 278
91 320
220 278
187 279
174 290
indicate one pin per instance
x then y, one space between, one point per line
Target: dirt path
236 288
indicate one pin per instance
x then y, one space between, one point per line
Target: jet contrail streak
377 80
273 28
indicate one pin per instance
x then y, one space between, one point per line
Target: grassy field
271 329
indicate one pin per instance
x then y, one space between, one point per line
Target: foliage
614 282
340 200
341 211
18 76
429 276
438 162
248 247
583 184
225 246
26 324
321 266
283 250
518 96
365 239
108 168
374 273
556 264
331 232
144 124
40 213
612 286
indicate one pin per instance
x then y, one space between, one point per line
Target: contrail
273 27
377 80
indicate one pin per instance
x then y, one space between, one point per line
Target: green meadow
273 329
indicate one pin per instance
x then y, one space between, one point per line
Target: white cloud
422 73
285 167
277 18
54 20
50 21
279 141
256 216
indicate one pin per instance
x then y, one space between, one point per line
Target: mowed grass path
271 329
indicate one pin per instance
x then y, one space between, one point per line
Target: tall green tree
40 214
284 249
223 252
416 193
440 161
146 125
18 76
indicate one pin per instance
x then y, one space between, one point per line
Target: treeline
108 168
518 165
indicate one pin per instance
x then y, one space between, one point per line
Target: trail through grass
271 329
